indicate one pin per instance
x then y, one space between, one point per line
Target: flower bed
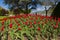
28 26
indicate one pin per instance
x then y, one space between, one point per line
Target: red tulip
34 22
31 18
18 24
38 29
46 21
10 25
38 22
4 19
55 19
29 15
18 16
16 21
14 17
41 18
19 29
2 22
30 26
56 26
36 18
30 23
25 16
59 19
46 17
2 29
50 17
26 23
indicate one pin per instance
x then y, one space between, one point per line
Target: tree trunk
46 10
26 8
36 13
6 35
49 38
55 3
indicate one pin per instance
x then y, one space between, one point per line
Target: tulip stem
0 35
49 38
6 35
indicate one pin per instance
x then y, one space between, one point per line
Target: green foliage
26 11
18 5
3 12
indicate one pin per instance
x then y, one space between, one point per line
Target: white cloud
40 8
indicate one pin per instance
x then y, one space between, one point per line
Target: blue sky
3 5
6 6
39 7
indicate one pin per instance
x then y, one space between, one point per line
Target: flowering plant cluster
33 27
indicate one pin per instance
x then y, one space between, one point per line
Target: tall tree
18 4
46 3
55 2
3 12
21 4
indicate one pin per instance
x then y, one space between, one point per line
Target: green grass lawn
1 17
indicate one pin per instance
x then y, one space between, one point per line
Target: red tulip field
29 27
